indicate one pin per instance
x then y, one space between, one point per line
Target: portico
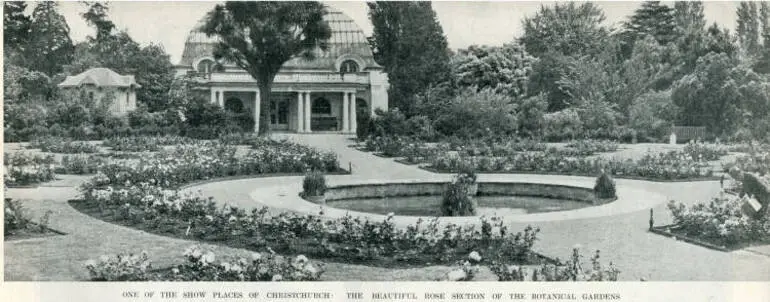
324 94
303 111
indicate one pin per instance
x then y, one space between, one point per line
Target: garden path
623 238
641 254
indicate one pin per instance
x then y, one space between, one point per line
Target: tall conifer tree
50 46
410 44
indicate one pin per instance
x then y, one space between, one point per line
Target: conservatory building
324 94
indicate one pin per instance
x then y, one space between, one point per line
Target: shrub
60 145
457 199
17 219
15 216
605 187
314 184
121 267
80 164
572 270
202 266
25 169
720 221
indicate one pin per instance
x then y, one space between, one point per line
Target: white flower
301 259
256 256
277 277
310 269
232 218
391 214
104 258
512 268
226 266
175 271
456 275
474 256
208 257
90 263
236 268
210 218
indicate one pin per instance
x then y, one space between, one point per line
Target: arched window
321 106
349 66
234 105
205 66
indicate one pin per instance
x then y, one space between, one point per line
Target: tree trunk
264 106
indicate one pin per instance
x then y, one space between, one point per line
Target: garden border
709 178
663 230
340 171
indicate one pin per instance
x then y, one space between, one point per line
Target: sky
465 23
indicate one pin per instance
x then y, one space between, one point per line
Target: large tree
748 28
409 43
565 28
558 35
50 46
710 96
505 69
653 19
261 36
16 25
688 15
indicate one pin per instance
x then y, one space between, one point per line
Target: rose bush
26 169
61 145
720 222
205 160
571 270
168 211
663 166
78 164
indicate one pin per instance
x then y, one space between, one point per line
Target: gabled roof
101 77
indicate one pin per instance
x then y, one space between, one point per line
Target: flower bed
202 265
593 146
348 238
143 143
703 151
23 169
757 162
663 166
60 145
720 222
416 151
571 270
79 164
205 160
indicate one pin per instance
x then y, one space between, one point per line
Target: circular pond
493 198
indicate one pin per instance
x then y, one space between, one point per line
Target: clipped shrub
314 184
605 187
457 199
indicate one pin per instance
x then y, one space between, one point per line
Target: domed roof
347 39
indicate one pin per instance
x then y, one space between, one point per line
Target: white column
345 113
214 94
256 110
300 109
353 107
307 112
